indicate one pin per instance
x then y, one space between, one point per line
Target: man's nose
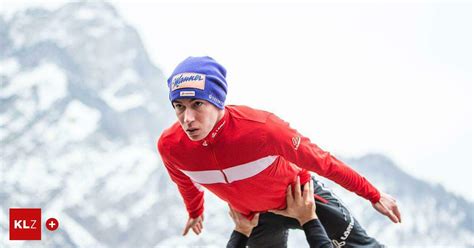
188 116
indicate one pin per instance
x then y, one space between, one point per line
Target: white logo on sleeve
296 142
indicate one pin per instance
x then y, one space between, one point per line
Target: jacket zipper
217 164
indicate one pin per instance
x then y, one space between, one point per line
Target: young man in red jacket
248 157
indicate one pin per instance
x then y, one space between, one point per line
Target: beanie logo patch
188 80
187 93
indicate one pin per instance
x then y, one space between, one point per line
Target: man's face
197 117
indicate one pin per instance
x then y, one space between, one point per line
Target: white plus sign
51 224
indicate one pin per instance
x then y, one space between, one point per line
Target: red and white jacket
248 160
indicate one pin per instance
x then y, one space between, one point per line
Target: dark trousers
341 227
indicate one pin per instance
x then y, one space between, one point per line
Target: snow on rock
81 237
78 122
136 164
86 14
8 67
48 82
125 102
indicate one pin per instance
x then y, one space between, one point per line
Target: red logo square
25 223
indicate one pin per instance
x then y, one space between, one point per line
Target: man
248 157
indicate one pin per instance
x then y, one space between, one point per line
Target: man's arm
193 197
296 148
237 240
316 234
243 229
299 150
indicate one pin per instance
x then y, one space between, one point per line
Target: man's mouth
191 130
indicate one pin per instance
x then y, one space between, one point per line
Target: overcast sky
394 78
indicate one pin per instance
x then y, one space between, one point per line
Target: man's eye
178 106
197 104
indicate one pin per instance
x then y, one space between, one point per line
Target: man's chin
195 137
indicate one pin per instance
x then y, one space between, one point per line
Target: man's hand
195 224
301 206
387 205
242 224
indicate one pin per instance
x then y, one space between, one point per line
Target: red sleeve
299 150
193 197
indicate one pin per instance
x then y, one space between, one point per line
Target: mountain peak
88 20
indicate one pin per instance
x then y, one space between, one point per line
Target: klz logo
25 223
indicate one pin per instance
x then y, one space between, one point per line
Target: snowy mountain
81 107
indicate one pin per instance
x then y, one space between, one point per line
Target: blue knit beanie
199 77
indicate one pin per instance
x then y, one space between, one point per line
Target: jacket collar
216 131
